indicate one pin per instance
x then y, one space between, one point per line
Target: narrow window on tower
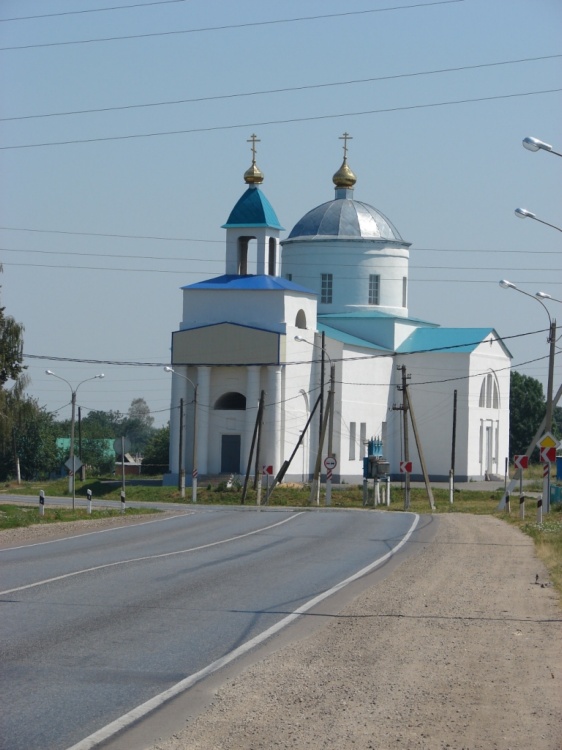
326 292
404 291
374 289
352 440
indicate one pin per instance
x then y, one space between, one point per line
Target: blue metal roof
347 219
366 314
253 210
250 282
460 340
347 338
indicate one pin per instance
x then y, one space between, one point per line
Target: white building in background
335 291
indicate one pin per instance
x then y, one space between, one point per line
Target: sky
124 140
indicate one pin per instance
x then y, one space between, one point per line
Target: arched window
231 401
489 393
300 321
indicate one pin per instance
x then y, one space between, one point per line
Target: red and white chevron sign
548 455
405 467
521 462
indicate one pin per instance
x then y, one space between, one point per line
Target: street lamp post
194 454
534 144
538 297
330 414
74 391
523 213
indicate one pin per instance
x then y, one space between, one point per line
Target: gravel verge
458 648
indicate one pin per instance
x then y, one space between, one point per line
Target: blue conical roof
253 210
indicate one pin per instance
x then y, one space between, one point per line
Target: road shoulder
457 648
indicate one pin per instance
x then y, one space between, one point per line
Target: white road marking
145 708
147 557
99 531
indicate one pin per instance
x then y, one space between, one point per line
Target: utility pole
257 470
453 449
332 397
420 450
404 409
181 472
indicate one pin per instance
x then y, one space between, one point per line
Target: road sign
77 465
521 462
548 454
330 463
405 467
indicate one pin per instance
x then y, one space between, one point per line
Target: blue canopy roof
253 210
448 340
249 282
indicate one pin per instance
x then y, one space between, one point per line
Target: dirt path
458 648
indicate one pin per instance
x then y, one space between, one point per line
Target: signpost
520 462
330 463
547 448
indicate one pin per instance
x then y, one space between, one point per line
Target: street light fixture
538 297
330 414
544 295
523 213
181 470
72 478
534 144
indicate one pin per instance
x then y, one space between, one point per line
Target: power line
304 264
199 273
192 239
284 90
378 355
92 10
102 234
229 26
283 122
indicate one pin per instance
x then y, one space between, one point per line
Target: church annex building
331 297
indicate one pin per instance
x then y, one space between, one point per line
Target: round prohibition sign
330 463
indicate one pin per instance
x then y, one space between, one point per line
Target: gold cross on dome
253 139
345 138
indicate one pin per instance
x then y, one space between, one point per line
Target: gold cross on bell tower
253 139
345 138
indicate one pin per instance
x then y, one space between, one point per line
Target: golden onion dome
253 175
344 177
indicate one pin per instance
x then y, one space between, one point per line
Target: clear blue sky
448 175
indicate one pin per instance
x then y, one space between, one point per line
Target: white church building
332 294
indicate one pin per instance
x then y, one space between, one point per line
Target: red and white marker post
330 463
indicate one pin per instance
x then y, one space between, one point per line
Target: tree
11 348
138 425
157 452
527 409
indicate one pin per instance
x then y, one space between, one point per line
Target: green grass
16 516
547 536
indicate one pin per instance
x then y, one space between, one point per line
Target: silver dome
345 218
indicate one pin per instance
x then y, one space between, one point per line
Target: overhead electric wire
221 242
378 355
191 259
199 273
284 90
135 6
313 118
226 27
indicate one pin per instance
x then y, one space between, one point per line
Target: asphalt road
96 625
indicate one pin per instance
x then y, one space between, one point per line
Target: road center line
88 743
148 557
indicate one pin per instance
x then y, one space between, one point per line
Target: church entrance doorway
230 454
